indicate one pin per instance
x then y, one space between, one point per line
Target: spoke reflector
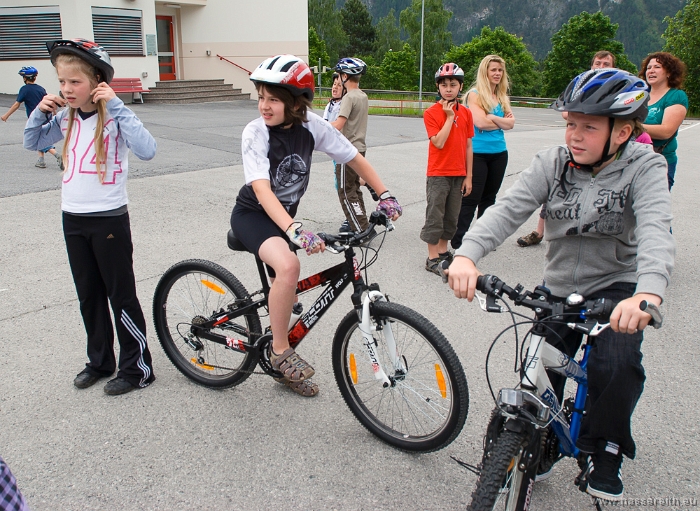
206 367
213 287
353 368
440 381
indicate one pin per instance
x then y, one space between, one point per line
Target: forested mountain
641 21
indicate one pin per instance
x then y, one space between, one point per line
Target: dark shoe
118 386
345 227
446 256
86 379
604 472
531 239
432 265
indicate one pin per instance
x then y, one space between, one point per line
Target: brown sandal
293 368
305 388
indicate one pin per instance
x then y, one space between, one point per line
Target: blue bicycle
530 430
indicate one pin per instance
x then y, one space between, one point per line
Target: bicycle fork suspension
370 344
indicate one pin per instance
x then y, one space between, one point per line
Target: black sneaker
86 378
118 386
604 472
345 227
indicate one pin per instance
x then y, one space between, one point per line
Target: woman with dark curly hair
667 105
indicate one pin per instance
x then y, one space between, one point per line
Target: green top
656 116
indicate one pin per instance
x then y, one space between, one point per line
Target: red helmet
286 71
450 70
91 52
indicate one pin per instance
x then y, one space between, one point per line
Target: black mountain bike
396 371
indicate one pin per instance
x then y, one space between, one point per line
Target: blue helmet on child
28 71
607 92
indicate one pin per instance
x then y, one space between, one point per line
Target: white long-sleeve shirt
82 191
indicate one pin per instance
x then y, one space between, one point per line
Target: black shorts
252 228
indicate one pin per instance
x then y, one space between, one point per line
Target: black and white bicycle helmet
286 71
351 66
450 70
606 92
89 51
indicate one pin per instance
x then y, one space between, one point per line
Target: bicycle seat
234 244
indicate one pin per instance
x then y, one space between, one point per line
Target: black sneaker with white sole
604 479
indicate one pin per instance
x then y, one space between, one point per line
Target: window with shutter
25 30
119 31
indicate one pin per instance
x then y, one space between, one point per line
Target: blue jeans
615 378
671 174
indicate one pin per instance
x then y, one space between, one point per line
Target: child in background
352 122
31 95
450 131
100 130
330 113
277 148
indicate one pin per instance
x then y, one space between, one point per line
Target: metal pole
319 77
420 79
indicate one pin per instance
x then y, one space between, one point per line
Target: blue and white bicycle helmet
351 66
28 71
606 92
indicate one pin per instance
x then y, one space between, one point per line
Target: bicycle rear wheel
501 484
426 405
189 293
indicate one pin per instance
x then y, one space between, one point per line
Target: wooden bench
131 86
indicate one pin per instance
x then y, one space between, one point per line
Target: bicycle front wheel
189 293
425 406
501 484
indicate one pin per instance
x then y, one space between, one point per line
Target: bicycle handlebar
540 301
337 243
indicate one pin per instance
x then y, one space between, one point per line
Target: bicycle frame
542 356
336 279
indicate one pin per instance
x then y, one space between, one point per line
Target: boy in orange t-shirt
450 130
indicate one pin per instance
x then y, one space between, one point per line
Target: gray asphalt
179 446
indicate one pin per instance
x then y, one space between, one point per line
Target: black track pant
487 177
100 256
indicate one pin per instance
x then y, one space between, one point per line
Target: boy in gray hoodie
607 224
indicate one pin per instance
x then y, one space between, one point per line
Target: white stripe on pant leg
348 206
141 340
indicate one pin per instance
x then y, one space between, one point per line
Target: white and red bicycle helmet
450 70
286 71
89 51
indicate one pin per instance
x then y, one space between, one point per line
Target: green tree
325 19
317 50
683 40
436 38
520 64
357 23
372 79
573 47
388 35
399 70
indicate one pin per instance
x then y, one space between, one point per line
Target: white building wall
244 32
76 22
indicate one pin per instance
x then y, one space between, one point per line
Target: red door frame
167 61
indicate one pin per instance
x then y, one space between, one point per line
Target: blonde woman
488 102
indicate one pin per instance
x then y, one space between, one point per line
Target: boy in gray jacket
607 224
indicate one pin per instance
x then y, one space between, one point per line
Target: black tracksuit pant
100 256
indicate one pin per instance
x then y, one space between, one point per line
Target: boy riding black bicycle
277 149
607 224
